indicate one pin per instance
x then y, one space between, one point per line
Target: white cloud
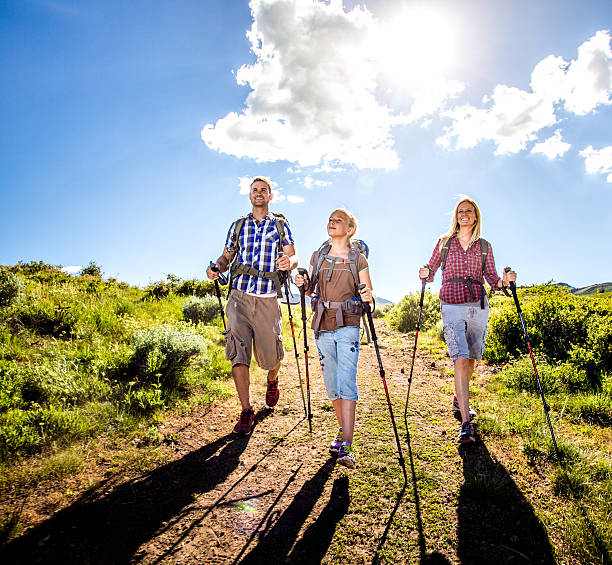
294 199
309 182
514 117
326 168
313 98
72 269
430 98
598 160
589 78
511 122
552 147
245 184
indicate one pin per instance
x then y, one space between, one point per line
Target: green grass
583 477
83 358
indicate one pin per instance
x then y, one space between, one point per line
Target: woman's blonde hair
454 225
352 221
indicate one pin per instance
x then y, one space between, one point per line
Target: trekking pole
223 280
297 355
416 337
304 273
535 369
368 311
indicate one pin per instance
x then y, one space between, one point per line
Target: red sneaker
245 422
272 394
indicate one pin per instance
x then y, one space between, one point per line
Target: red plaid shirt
460 263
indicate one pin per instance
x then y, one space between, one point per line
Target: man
261 252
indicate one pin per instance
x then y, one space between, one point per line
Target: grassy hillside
83 358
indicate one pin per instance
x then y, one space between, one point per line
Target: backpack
279 277
484 249
280 228
348 306
358 247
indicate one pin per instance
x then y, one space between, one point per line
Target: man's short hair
262 179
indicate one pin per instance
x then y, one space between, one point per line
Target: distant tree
93 269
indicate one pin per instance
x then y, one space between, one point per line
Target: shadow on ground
497 524
109 527
280 532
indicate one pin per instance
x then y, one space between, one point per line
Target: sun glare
416 46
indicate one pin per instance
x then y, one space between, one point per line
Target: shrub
203 310
44 318
157 291
92 269
194 287
144 400
10 287
403 317
162 354
440 330
564 377
596 354
382 311
562 327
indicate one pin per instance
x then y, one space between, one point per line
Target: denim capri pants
465 329
339 354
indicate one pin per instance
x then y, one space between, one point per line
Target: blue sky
128 126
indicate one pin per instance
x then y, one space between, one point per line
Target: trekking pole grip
222 279
423 283
366 305
512 285
304 273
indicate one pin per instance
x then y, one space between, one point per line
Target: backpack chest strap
242 269
470 281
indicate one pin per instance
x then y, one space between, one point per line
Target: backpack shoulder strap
444 252
280 220
484 249
319 258
238 225
353 258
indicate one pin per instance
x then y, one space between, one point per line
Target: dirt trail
277 496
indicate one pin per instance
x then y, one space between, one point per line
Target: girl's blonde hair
352 221
454 225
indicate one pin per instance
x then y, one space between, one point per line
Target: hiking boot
335 445
466 433
272 393
457 410
245 422
345 455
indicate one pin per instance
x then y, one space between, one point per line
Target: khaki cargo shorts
253 322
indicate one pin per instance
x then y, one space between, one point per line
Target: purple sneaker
335 445
345 455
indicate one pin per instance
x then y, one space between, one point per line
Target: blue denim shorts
338 354
465 329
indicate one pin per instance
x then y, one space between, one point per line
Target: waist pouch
349 306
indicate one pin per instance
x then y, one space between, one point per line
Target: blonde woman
336 270
466 260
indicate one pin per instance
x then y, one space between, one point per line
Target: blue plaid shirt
258 248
